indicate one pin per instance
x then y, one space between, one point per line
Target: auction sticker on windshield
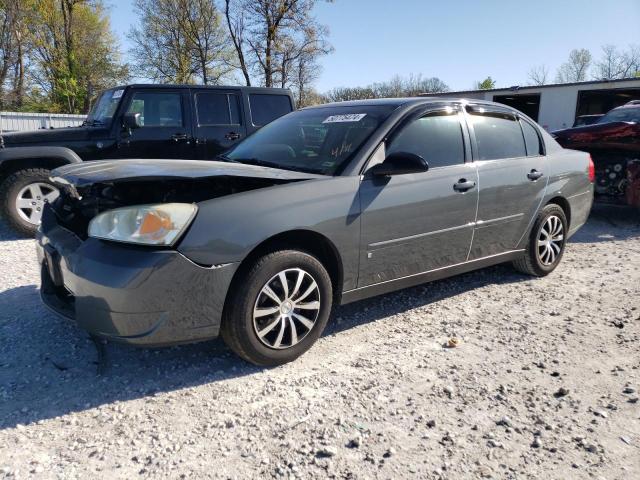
349 117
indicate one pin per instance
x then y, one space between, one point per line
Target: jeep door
218 121
412 223
509 154
165 125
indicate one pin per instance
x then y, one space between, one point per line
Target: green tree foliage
69 50
486 84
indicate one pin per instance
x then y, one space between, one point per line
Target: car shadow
609 223
7 233
376 308
49 368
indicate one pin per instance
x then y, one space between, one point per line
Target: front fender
16 154
227 229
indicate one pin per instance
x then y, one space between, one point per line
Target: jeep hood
118 171
45 136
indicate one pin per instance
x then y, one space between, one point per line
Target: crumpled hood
109 171
45 136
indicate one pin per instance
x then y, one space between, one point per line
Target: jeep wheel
23 196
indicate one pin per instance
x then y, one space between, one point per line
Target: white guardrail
22 121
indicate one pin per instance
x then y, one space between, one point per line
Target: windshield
621 115
318 140
105 107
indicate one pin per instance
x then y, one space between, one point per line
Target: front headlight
159 224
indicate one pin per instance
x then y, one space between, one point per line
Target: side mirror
131 120
400 163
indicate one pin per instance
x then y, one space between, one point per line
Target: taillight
592 170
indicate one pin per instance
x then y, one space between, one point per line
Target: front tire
22 198
278 308
546 243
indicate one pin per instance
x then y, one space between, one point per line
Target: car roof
408 101
631 104
279 91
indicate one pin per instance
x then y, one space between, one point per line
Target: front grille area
56 297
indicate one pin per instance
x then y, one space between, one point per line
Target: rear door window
266 108
497 134
217 109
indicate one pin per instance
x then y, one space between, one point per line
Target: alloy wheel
31 200
286 309
550 240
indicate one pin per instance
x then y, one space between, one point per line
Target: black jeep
134 121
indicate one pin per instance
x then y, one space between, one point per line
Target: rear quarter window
266 108
531 139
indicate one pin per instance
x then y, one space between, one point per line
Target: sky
459 41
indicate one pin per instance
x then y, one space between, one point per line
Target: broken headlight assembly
158 224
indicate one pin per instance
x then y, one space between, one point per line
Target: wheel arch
563 203
14 159
307 241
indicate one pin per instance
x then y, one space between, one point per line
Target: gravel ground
544 383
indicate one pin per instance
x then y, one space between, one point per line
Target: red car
614 144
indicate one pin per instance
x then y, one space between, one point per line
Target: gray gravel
543 383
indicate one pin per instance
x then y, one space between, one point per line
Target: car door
165 130
509 154
218 121
418 222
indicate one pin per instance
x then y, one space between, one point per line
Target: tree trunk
237 43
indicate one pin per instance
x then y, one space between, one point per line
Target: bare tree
277 42
576 68
617 64
235 15
396 87
538 75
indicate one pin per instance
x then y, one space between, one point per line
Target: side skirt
429 276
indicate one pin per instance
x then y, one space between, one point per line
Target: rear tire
30 188
546 243
267 323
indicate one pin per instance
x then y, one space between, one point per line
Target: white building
557 106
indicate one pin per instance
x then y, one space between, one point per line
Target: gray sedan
326 205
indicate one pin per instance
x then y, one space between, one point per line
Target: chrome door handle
534 175
463 185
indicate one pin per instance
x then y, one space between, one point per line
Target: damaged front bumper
130 294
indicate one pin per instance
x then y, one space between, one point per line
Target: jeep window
621 115
266 108
217 109
436 137
104 108
498 135
318 140
157 109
